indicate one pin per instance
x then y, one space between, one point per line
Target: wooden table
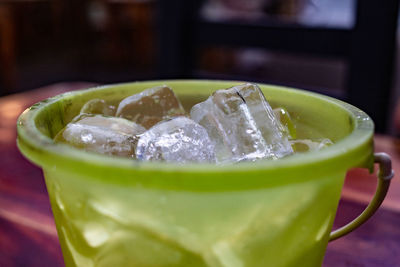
28 236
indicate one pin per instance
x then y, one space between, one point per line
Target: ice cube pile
232 125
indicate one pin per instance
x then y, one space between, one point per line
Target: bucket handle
385 174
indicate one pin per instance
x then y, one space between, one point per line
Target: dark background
106 41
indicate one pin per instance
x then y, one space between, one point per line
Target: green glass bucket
118 212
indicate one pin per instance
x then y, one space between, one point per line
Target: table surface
28 236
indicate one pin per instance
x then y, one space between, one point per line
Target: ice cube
201 114
98 106
245 122
178 140
105 135
305 145
288 127
277 142
150 106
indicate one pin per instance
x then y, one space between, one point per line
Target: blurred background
343 48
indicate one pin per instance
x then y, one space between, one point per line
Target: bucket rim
43 151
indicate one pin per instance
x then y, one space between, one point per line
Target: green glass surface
113 211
